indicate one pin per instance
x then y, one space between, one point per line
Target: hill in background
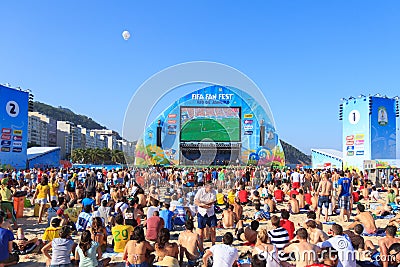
292 154
64 114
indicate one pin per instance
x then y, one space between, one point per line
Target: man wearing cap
205 199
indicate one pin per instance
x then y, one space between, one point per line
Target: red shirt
307 198
289 226
293 192
356 197
153 225
243 195
279 195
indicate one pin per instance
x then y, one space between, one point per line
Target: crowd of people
137 213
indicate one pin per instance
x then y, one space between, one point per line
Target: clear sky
304 55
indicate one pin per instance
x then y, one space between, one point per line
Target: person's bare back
170 249
366 219
305 253
294 206
325 188
135 252
190 243
238 210
317 235
229 219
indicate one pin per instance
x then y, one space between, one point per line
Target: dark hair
254 225
87 208
163 238
53 203
104 203
301 191
395 248
119 219
86 242
360 207
138 234
257 206
189 225
293 195
311 215
257 261
44 181
302 233
312 224
65 231
97 224
285 214
275 221
55 222
227 239
337 229
391 230
359 229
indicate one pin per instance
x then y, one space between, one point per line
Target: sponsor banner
359 136
171 127
248 121
248 132
5 149
349 137
17 149
359 153
5 143
17 138
350 153
359 142
171 115
5 137
17 144
172 132
6 131
349 143
350 148
171 121
17 132
248 127
248 116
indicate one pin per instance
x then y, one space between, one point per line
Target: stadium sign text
212 96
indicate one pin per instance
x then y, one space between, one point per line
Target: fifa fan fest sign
13 127
369 130
225 120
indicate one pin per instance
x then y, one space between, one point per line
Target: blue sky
304 55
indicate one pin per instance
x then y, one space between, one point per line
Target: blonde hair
263 235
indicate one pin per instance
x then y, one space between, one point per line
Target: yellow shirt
121 235
53 189
231 198
72 213
43 191
50 233
220 199
6 194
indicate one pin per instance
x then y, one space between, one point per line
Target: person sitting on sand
7 258
311 215
279 195
316 235
53 231
305 252
22 245
238 209
294 205
137 251
165 248
358 241
265 250
190 244
229 218
287 224
365 218
249 233
271 203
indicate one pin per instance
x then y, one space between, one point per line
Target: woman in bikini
99 233
163 247
137 251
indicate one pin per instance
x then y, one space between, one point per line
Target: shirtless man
271 203
314 202
316 235
386 242
238 209
324 192
365 218
248 233
190 245
302 202
229 218
137 251
294 205
305 252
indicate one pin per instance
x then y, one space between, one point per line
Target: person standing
345 190
324 193
224 255
205 199
7 201
42 194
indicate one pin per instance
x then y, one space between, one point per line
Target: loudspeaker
159 136
262 135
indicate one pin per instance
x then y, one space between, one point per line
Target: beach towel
380 232
329 223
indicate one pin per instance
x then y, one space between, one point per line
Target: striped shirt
279 237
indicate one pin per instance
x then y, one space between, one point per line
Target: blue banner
13 128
